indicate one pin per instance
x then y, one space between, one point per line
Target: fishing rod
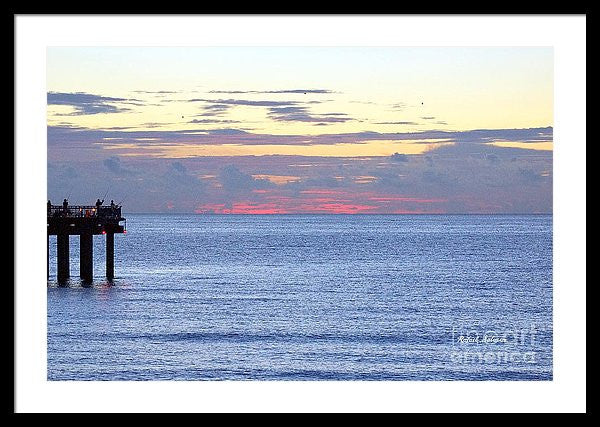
105 194
121 202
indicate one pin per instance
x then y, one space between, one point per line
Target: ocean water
309 297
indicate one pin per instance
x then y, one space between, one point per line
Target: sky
295 130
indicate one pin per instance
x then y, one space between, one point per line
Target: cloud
154 124
212 110
211 121
399 106
289 111
492 158
460 178
301 114
527 135
303 91
399 157
155 91
80 137
529 175
218 107
181 188
69 173
235 181
434 177
86 103
113 164
179 167
245 102
396 123
230 132
363 102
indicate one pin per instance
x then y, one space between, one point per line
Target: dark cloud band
87 103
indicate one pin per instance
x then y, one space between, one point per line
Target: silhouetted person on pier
112 205
49 207
99 203
65 207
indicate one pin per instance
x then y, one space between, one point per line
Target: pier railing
84 211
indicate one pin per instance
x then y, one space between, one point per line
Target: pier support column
62 256
86 257
110 256
47 255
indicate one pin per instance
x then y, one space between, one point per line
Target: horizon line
338 214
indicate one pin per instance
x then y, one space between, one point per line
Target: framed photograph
303 214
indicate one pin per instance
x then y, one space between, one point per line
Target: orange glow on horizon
321 201
188 150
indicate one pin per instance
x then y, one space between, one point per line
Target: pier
85 221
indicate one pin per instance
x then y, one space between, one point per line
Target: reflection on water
75 282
